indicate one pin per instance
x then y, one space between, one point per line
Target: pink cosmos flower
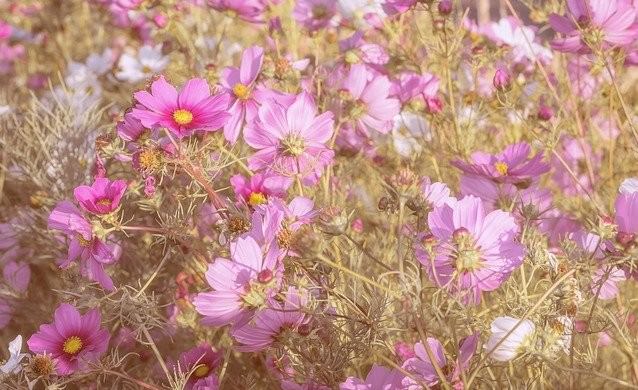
241 285
90 251
73 340
423 369
575 153
291 140
256 190
17 275
521 39
356 51
102 197
368 103
474 251
626 211
395 7
510 166
435 194
605 280
410 85
201 361
211 382
192 109
278 322
248 10
593 24
314 14
379 378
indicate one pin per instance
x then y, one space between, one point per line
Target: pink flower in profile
90 251
395 7
280 322
356 51
379 378
259 188
248 10
423 369
594 24
605 280
102 197
131 130
510 166
73 340
184 112
291 140
201 362
474 251
314 14
368 103
241 285
410 85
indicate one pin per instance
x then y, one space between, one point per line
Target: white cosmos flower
148 61
511 345
409 132
629 186
12 365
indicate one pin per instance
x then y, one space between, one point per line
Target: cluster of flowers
511 256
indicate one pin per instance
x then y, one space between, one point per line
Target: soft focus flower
379 378
72 339
193 108
521 39
629 186
594 24
240 285
356 51
314 14
368 104
291 140
506 347
148 61
277 323
475 251
12 365
90 251
201 362
510 166
102 197
502 79
248 10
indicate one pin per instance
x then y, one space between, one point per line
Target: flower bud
445 7
545 113
502 79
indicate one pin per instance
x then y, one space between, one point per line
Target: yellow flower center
201 371
150 159
293 145
241 91
466 256
182 117
72 345
83 241
501 168
104 202
256 198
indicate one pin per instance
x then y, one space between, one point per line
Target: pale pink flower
291 140
314 14
379 378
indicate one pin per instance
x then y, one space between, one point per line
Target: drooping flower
280 322
240 286
379 378
256 190
73 340
201 362
12 365
291 140
102 197
592 24
148 61
367 102
510 166
314 14
503 347
91 251
191 109
475 251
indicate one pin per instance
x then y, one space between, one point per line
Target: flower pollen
182 117
256 198
501 168
72 345
241 91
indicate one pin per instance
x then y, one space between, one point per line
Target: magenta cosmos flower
191 109
73 340
593 24
379 378
368 104
91 252
291 140
259 188
201 362
241 285
314 14
102 197
471 251
510 166
280 322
